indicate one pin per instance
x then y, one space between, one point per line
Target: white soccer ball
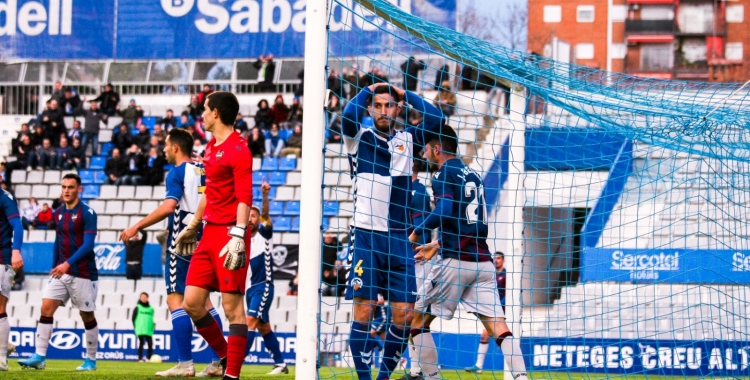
155 358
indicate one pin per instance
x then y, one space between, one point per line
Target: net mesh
635 197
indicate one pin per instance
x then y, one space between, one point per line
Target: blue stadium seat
287 164
282 224
106 148
87 176
330 208
256 201
326 223
258 195
90 191
269 164
295 225
258 178
99 177
292 208
98 162
149 121
277 178
276 208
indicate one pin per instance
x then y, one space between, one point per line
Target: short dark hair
226 103
447 139
384 90
419 166
73 176
182 138
499 253
144 294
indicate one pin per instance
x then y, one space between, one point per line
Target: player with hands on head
73 277
11 240
465 272
382 259
185 184
259 283
219 260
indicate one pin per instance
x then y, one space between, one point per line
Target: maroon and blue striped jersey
8 211
72 227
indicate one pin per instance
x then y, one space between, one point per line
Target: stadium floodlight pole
513 210
311 213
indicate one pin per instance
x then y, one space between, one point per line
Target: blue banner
666 265
182 29
110 258
643 357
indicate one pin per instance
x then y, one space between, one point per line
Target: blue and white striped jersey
260 270
185 184
382 164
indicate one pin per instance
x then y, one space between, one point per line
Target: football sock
236 349
211 332
481 353
395 342
413 364
4 334
92 338
43 333
250 340
426 353
513 357
272 344
214 356
182 332
361 352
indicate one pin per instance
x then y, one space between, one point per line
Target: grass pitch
65 370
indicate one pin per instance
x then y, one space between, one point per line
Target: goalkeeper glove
235 249
186 241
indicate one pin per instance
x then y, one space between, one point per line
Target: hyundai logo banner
123 345
163 29
110 258
666 265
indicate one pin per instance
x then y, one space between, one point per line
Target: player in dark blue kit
11 239
466 273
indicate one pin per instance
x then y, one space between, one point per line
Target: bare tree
515 26
507 27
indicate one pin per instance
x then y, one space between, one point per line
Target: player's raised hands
426 252
265 188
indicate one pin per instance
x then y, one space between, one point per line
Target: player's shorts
452 281
6 280
80 291
207 268
175 274
422 270
259 299
382 262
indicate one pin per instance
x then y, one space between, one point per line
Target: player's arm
432 117
443 205
243 190
11 209
350 118
162 212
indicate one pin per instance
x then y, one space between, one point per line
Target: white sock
43 333
4 333
413 355
513 357
427 355
481 353
92 341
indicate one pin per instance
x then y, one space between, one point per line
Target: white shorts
452 281
422 270
81 292
6 280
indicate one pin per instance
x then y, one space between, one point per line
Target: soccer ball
155 358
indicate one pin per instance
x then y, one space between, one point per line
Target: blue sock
250 340
361 349
395 344
272 344
217 317
182 332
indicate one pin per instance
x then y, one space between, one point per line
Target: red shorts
207 268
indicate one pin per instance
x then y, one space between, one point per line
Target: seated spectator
134 161
195 108
335 280
109 100
115 168
239 123
71 104
295 113
38 136
263 117
185 120
257 143
294 143
53 121
24 131
207 90
25 155
153 171
77 133
61 156
44 219
29 213
279 111
47 155
143 138
131 114
167 122
122 139
76 157
93 117
159 133
446 99
198 147
274 142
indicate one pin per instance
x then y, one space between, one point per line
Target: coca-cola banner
110 258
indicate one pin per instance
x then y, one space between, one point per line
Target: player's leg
43 333
6 282
150 341
141 342
362 288
83 294
272 344
234 310
195 306
215 368
425 351
484 345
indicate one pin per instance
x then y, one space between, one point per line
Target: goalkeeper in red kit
219 262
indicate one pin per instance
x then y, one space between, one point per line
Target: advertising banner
666 265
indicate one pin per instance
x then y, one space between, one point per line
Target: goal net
620 203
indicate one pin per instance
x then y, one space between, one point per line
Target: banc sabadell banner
666 265
181 29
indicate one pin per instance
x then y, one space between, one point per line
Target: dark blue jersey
8 216
500 278
460 213
420 207
74 242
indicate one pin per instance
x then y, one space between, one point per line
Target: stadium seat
40 191
143 192
148 206
107 285
294 179
258 194
90 191
276 208
113 208
98 162
108 192
257 162
87 176
295 225
105 135
126 192
23 191
284 193
149 121
119 223
52 177
106 148
103 222
107 237
330 208
287 164
292 208
289 239
277 178
282 224
37 236
34 177
100 177
269 164
131 207
18 176
258 178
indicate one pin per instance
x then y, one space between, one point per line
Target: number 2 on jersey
472 209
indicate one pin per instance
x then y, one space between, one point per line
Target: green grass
65 370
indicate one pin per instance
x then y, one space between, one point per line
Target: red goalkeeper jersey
229 179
